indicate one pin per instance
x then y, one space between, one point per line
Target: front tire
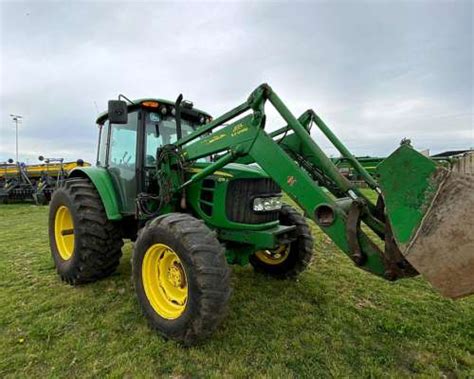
181 277
287 261
85 246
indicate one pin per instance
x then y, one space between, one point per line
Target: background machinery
36 182
370 165
15 185
197 194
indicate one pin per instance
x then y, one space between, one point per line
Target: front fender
102 181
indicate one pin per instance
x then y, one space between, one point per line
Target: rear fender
102 181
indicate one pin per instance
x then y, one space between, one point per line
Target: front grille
207 196
240 195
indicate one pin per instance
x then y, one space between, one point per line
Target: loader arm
338 212
295 161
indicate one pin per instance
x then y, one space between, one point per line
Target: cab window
102 151
123 142
161 130
122 161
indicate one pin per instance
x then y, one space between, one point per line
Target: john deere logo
238 129
216 138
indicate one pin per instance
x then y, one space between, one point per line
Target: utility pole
16 119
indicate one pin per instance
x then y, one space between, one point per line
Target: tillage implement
197 194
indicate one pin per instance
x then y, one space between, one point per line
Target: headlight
266 204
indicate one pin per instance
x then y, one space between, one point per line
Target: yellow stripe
217 173
36 170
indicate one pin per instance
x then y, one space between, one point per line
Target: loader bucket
431 212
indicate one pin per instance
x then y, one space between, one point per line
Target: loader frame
337 206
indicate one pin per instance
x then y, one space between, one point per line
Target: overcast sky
375 72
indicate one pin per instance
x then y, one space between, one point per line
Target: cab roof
137 104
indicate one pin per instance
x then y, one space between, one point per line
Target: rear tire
287 262
85 246
181 277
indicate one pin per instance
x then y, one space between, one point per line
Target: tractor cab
130 136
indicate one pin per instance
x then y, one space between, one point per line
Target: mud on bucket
431 211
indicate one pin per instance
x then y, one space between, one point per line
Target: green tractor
197 194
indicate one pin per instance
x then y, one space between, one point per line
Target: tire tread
98 240
211 272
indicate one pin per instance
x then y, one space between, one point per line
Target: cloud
375 71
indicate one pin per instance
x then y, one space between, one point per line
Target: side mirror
41 158
117 112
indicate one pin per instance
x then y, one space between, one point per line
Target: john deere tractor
197 194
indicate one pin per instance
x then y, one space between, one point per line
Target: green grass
334 321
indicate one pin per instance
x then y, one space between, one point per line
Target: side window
122 161
123 143
102 151
152 137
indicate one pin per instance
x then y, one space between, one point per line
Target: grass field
334 321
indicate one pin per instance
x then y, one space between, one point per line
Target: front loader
196 194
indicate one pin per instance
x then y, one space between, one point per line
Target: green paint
260 239
237 142
102 181
241 244
408 182
218 218
280 166
304 191
230 137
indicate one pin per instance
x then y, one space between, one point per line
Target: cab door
122 160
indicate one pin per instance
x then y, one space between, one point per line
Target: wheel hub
64 232
164 281
176 275
274 257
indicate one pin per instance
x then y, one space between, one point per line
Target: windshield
161 130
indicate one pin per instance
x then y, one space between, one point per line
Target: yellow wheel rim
273 257
64 232
164 281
